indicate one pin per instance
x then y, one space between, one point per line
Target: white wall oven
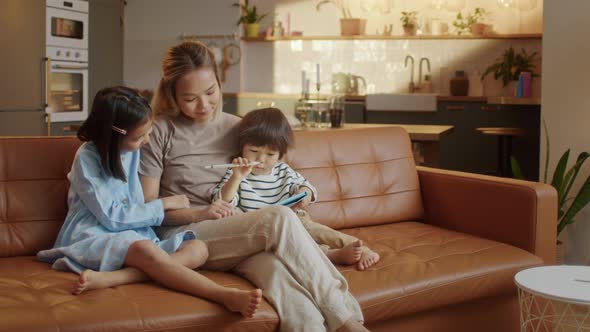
66 79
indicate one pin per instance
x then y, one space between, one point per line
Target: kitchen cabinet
22 93
468 150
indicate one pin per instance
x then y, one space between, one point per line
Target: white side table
554 298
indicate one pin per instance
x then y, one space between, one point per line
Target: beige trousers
326 237
272 249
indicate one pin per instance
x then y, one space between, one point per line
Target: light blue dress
105 216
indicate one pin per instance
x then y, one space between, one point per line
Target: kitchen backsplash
380 62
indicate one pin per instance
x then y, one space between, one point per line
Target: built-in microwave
67 24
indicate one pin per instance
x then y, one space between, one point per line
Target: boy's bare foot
347 255
352 325
368 259
87 280
244 302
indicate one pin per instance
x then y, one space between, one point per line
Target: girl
108 225
264 136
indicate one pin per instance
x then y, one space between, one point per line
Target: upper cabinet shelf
398 37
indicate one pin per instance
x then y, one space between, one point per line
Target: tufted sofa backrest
33 191
363 176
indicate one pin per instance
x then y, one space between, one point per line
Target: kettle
347 84
355 87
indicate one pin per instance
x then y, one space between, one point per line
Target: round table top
567 283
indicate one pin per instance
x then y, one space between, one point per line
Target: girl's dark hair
121 107
265 127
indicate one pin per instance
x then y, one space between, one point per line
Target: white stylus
254 163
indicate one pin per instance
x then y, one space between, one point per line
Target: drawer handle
455 107
489 108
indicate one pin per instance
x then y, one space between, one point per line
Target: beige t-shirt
179 149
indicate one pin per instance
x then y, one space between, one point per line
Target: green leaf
571 175
559 172
546 149
516 170
580 201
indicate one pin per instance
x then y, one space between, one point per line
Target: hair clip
119 130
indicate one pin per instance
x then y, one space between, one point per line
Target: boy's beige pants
272 249
326 237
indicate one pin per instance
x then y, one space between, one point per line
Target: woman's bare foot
244 302
347 255
368 259
88 280
352 325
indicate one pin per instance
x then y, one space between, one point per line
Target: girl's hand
218 209
175 202
244 169
305 201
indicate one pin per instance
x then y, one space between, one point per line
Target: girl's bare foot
87 280
244 302
368 259
352 325
347 255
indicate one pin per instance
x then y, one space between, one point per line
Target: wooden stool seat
504 146
500 131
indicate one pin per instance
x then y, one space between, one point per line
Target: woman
269 247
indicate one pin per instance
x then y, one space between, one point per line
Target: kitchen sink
401 102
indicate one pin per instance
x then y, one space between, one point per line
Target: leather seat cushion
33 297
424 267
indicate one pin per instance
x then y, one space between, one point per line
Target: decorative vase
459 84
352 26
510 89
410 30
252 30
478 29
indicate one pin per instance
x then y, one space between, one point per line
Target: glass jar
313 113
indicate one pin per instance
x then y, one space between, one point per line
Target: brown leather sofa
450 242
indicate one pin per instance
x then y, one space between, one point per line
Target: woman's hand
305 201
217 210
242 171
175 202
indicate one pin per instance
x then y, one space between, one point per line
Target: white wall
566 101
152 26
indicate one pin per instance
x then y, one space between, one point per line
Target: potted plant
473 23
349 26
563 180
250 18
409 22
510 65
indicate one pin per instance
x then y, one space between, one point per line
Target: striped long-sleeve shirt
258 191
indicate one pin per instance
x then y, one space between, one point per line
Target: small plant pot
352 26
252 30
478 29
410 30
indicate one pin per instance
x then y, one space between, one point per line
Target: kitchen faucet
411 87
420 70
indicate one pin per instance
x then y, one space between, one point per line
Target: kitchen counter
418 133
361 98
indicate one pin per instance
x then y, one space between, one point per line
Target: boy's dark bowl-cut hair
266 127
117 106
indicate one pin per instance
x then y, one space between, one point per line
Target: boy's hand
244 169
175 202
305 201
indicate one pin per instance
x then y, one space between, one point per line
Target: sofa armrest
516 212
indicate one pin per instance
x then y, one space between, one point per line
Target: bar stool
504 146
